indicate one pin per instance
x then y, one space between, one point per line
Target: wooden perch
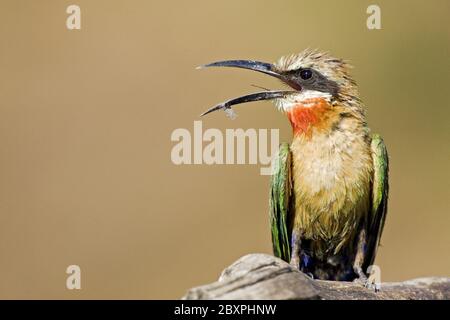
261 276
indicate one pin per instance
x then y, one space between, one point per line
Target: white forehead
320 61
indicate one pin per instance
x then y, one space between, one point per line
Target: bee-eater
329 188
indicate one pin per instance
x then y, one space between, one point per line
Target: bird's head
317 82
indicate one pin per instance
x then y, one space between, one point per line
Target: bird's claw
367 283
371 285
309 274
361 280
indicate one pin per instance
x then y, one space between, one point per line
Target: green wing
380 190
280 196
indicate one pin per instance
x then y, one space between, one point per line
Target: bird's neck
309 114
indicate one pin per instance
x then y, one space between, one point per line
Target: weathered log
261 276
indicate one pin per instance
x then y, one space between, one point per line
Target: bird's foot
372 285
361 280
309 274
367 283
295 262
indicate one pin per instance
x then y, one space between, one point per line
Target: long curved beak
263 67
259 66
264 95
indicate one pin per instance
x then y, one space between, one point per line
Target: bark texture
261 276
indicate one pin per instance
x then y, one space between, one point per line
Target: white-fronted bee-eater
329 188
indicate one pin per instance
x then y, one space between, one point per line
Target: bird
329 187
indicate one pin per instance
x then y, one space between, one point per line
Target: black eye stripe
309 78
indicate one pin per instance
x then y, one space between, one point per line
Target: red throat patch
308 114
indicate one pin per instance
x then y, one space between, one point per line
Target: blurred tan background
86 118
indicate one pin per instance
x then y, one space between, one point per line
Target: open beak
262 67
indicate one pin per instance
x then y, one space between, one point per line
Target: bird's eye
305 74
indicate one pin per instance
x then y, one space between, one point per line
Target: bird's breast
332 170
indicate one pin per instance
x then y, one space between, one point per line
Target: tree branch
261 276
